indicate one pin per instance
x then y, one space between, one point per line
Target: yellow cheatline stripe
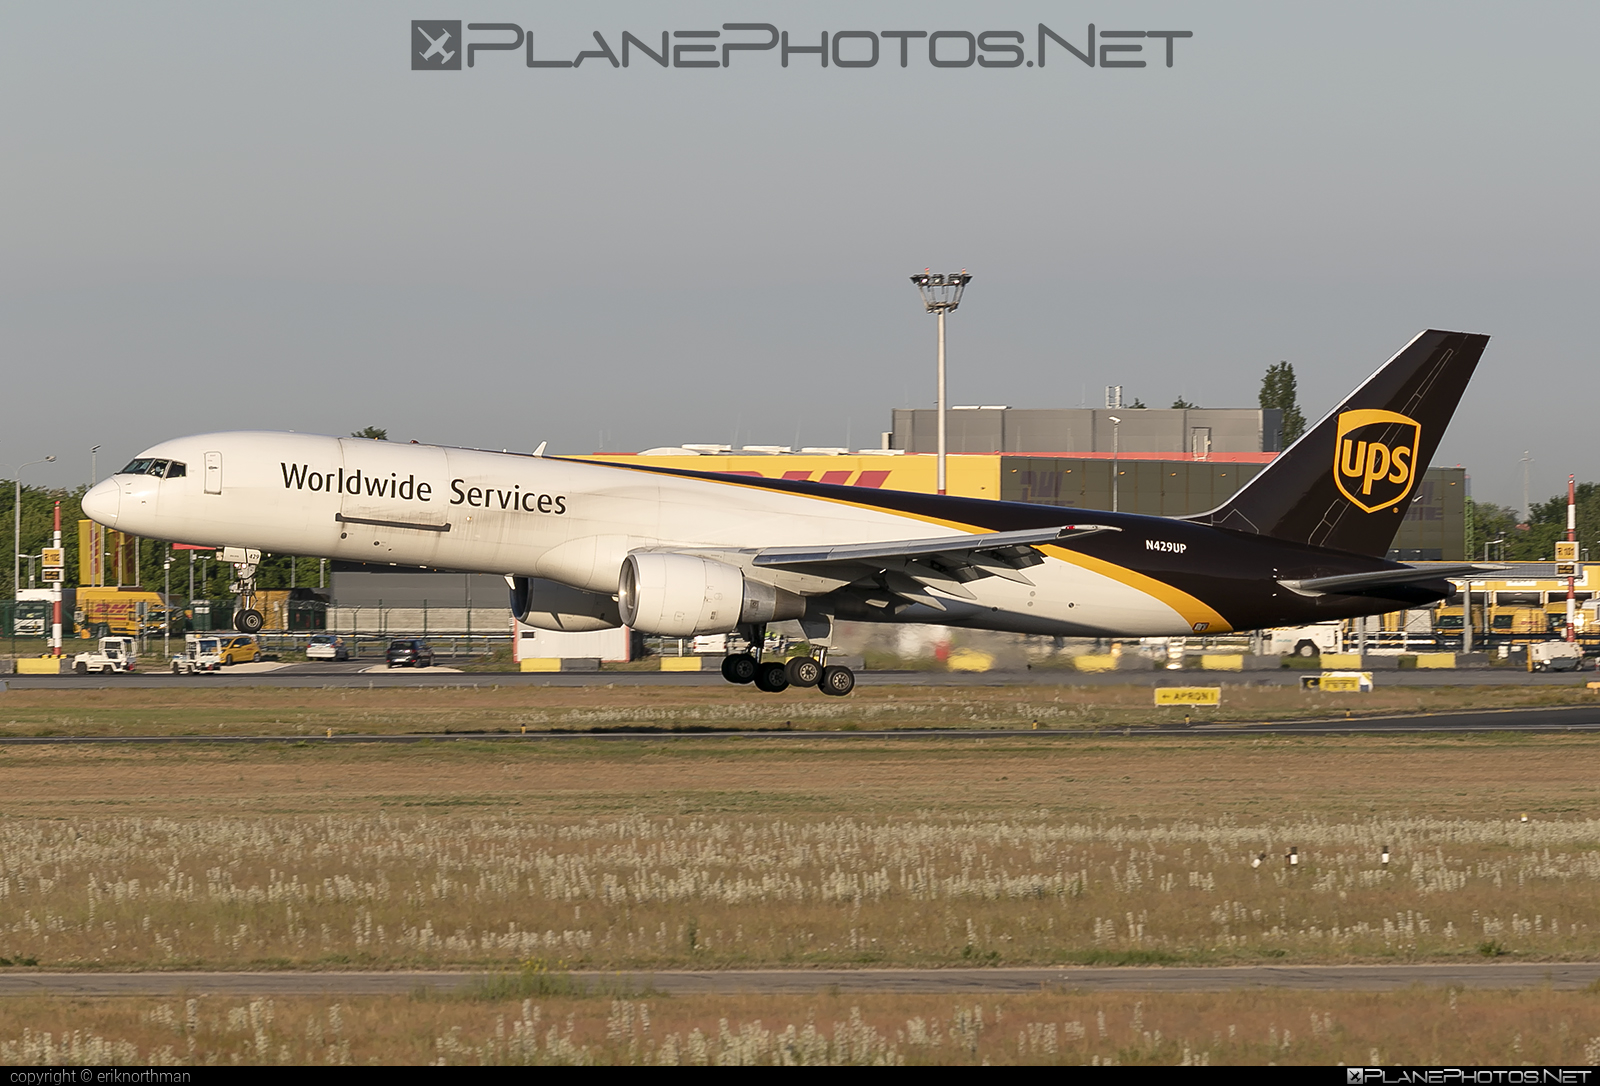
1193 610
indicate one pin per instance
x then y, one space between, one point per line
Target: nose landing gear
245 563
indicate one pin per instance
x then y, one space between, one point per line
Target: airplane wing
1356 582
907 548
908 567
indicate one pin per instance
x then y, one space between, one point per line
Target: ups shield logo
1375 458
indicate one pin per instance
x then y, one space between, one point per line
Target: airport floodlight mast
940 295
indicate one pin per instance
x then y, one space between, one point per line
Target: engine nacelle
681 595
551 605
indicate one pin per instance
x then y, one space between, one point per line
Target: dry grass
196 709
1418 1027
743 852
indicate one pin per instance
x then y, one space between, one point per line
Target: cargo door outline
408 527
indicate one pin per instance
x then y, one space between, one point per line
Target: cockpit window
169 469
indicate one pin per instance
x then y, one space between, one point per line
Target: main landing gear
771 676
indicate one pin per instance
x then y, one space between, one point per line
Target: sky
258 216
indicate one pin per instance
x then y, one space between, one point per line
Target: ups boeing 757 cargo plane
587 545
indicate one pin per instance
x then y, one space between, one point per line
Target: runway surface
1559 719
354 675
1346 978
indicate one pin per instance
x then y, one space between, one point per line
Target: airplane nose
102 502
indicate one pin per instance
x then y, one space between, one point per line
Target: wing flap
1356 582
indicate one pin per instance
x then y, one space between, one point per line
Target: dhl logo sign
1375 457
873 480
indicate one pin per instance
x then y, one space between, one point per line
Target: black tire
739 668
81 668
176 670
249 621
256 659
1307 649
772 678
837 681
803 671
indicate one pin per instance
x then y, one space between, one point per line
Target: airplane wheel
803 671
249 622
772 678
837 681
739 668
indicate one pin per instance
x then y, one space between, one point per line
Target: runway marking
1368 978
1579 719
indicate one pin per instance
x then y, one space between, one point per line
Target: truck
126 612
113 655
1555 656
201 652
35 611
1306 641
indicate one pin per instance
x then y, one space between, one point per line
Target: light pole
1116 449
940 295
16 528
94 469
166 603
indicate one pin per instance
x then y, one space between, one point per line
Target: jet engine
681 595
551 605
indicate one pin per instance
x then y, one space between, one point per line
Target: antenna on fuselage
540 450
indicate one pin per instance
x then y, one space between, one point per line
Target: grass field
721 852
745 852
198 709
1413 1027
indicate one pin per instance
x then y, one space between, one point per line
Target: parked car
409 653
327 647
239 649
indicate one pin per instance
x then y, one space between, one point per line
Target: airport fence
373 646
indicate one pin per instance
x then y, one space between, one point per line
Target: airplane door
213 473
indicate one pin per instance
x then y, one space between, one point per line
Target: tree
1182 404
1486 523
1547 522
1278 390
376 433
1136 405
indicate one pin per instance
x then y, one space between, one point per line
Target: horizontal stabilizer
911 548
1360 582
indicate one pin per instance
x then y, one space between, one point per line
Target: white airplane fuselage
575 522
